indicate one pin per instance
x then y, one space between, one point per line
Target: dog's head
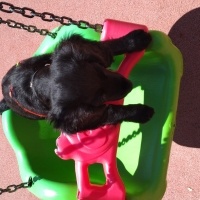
82 68
95 85
92 84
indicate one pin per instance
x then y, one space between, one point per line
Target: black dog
70 87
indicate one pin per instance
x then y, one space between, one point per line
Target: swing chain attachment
14 188
49 17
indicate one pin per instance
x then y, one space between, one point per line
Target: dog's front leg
87 117
131 113
76 119
134 41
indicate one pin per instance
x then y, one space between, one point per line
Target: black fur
72 91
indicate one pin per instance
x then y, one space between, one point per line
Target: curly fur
70 86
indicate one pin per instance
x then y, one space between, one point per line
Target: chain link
13 188
128 138
29 28
47 16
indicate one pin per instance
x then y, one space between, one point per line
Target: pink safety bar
100 145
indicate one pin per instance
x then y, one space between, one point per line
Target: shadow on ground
185 34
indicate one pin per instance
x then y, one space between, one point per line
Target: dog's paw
142 113
138 40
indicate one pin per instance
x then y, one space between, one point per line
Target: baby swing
112 162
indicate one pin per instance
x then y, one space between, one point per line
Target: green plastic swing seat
143 150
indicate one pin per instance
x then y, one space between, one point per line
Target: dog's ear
3 106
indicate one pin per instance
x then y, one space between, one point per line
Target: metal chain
128 138
45 16
13 188
49 17
29 28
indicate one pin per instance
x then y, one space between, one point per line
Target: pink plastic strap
100 145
